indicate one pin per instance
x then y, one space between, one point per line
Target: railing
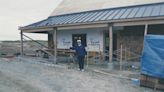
46 50
126 57
34 40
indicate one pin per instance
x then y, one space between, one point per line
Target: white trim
83 26
133 23
37 30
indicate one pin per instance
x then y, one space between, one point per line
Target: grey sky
14 13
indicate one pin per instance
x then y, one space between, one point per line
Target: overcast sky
14 13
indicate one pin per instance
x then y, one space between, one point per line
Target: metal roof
131 12
74 6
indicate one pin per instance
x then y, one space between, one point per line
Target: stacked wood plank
152 82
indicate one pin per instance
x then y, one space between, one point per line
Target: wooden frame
146 29
55 44
21 36
110 27
135 23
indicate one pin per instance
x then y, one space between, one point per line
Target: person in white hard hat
80 53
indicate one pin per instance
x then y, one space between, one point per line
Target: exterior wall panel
94 38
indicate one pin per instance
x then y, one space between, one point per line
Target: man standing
80 53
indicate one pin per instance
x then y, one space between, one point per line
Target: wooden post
110 43
55 44
87 59
146 29
156 84
51 41
121 57
125 54
21 36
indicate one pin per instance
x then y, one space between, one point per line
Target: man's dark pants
81 62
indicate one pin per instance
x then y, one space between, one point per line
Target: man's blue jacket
80 50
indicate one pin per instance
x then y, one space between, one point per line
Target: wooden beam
121 56
21 36
141 22
55 44
146 29
37 30
51 39
110 43
83 26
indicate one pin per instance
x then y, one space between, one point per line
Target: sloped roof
105 15
73 6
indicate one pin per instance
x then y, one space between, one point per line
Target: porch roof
103 16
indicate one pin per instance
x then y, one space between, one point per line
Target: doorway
81 37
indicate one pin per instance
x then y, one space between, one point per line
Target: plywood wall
94 38
132 38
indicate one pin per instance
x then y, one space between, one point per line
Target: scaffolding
126 58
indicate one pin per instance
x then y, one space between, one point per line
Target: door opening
81 37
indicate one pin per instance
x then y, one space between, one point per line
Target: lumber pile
152 82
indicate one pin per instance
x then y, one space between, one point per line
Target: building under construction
104 26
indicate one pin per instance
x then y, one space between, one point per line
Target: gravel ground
27 76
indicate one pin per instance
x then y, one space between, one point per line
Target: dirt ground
28 76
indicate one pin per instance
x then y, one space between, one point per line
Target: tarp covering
152 59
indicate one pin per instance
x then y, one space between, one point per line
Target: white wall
72 6
94 38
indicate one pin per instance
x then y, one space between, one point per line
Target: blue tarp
152 59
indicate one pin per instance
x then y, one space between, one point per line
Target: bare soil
28 76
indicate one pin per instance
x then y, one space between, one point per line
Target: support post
110 42
55 44
121 57
146 29
51 41
125 54
21 36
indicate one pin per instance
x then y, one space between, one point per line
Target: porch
119 44
119 37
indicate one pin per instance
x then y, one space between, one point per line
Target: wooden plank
44 29
139 22
151 82
121 57
83 26
51 41
55 44
110 43
146 29
112 75
21 35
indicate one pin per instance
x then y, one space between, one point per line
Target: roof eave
98 22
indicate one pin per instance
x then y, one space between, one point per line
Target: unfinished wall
132 38
94 38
